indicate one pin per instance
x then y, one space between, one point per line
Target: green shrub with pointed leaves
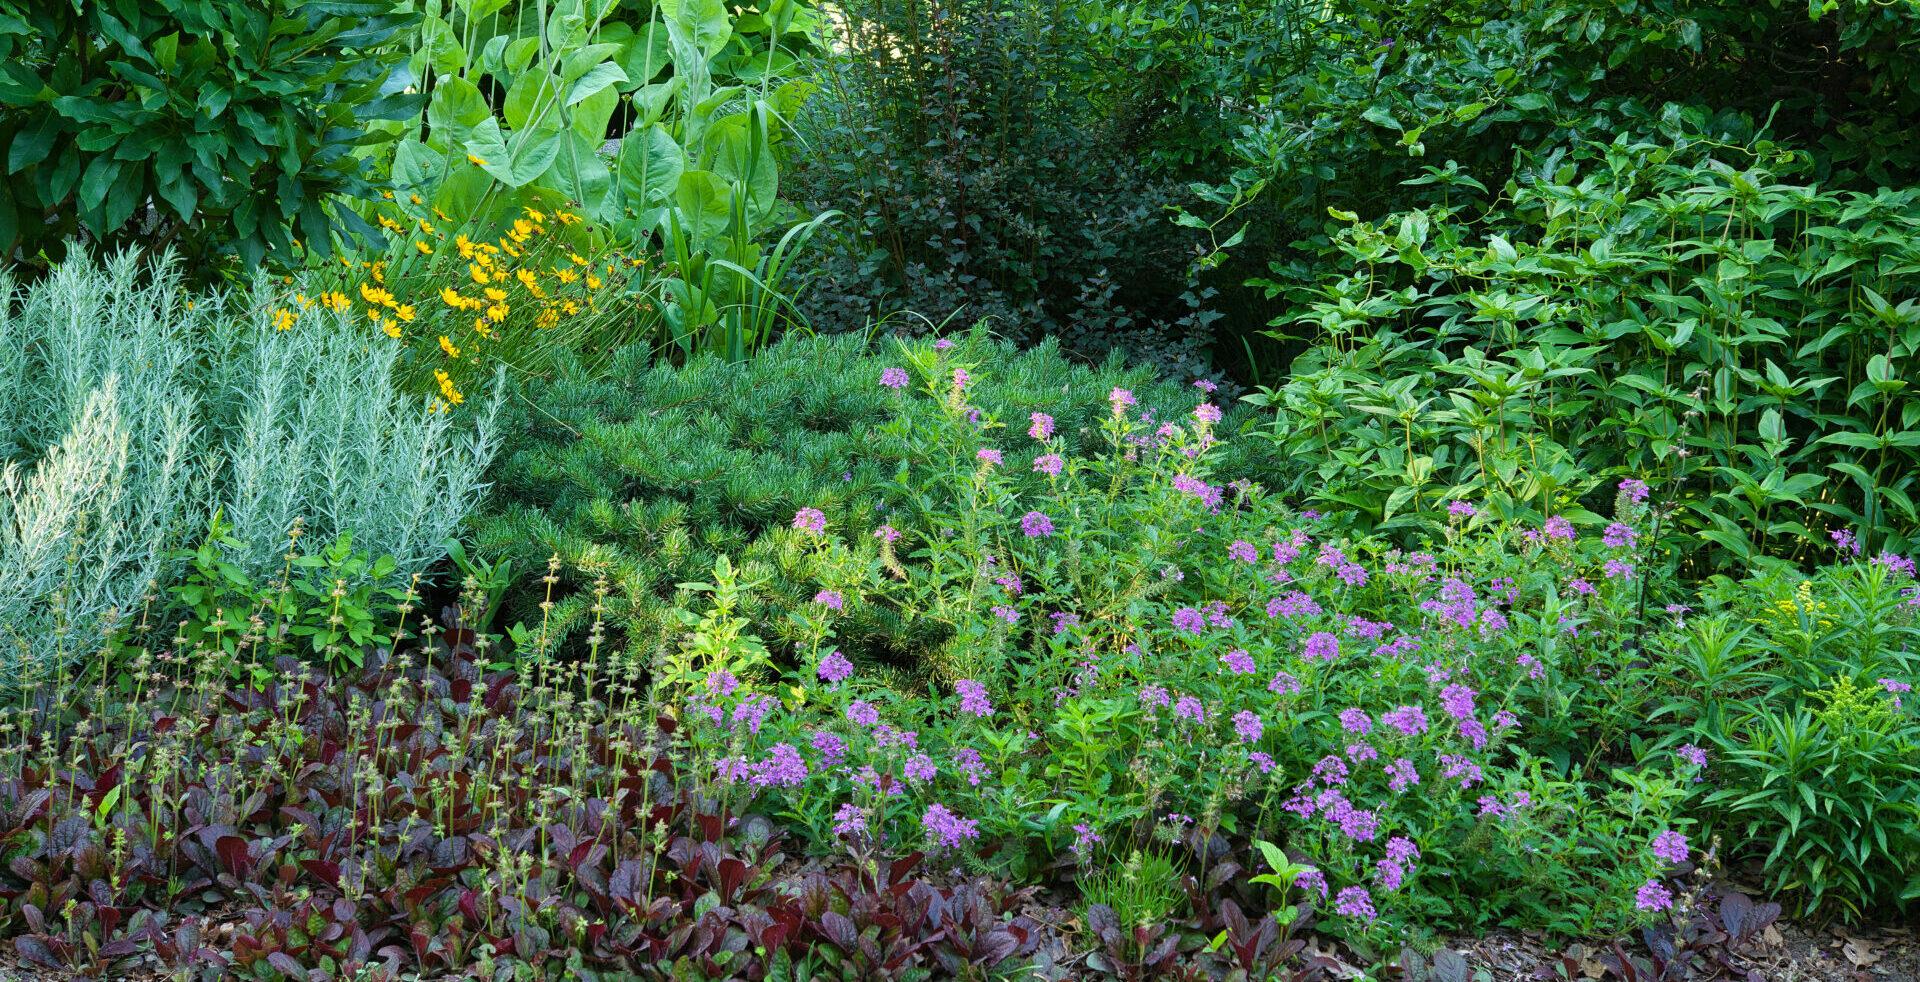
211 126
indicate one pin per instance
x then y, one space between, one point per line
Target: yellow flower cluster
482 289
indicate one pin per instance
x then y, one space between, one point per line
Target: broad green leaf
595 81
517 160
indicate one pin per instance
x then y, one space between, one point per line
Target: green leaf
650 167
595 81
517 161
703 202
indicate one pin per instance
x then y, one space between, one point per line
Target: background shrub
967 143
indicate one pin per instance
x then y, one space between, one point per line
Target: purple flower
1653 897
721 683
1330 771
1409 720
973 698
919 767
1322 646
1120 399
1187 707
1006 613
1036 525
1636 490
1243 551
1155 695
968 761
947 829
990 455
782 768
810 520
1692 755
1260 760
1248 726
753 711
1356 720
1401 775
1461 509
850 820
943 344
1670 846
1189 620
1207 413
1617 570
1457 700
886 533
1049 464
834 668
1558 528
1084 839
960 379
1311 880
830 599
1355 902
1207 493
1844 542
830 747
1042 427
894 378
1238 662
1284 685
1619 536
862 712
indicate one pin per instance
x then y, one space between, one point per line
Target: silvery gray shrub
130 411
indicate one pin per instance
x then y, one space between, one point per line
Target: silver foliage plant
131 410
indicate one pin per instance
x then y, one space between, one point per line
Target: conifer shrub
644 473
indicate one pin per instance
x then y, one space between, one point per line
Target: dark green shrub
211 127
967 143
646 472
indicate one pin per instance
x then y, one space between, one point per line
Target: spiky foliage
130 411
644 473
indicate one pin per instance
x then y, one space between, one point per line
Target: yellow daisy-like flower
391 327
566 217
534 214
571 307
480 327
335 301
479 275
527 278
283 319
413 198
425 249
305 302
447 345
547 318
496 294
447 390
578 260
389 224
387 195
476 161
593 282
452 298
498 312
404 312
567 275
465 245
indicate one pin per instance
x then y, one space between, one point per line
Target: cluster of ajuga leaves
213 126
645 472
1629 307
1136 656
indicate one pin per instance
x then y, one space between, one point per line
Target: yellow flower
527 278
189 305
413 198
392 328
283 319
387 195
476 161
465 245
498 312
480 327
547 318
479 275
447 345
577 260
566 217
389 224
570 307
496 294
535 215
376 295
425 249
593 282
566 275
452 298
305 302
447 390
404 312
443 216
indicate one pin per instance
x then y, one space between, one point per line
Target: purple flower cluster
973 698
834 668
810 520
894 378
945 829
1036 525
